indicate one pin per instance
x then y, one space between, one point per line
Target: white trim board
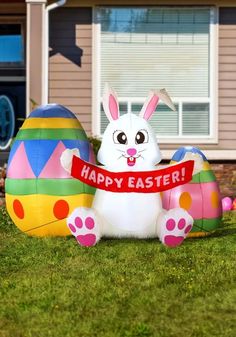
210 154
96 31
36 1
214 68
28 14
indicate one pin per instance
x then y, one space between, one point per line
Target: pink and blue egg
200 197
40 194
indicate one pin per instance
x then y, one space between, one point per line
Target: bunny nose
131 152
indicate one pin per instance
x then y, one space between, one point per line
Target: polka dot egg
40 194
200 197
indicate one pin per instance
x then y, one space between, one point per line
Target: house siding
70 62
227 78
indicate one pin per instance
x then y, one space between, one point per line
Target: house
64 51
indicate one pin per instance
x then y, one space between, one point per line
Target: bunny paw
82 224
175 226
66 158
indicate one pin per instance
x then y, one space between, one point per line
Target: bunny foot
82 224
175 225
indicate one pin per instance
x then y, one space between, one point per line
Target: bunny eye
141 137
119 137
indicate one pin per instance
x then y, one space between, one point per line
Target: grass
139 288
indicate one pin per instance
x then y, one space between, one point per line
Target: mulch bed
2 184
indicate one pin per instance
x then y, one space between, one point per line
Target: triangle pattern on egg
14 148
53 168
38 152
20 167
82 145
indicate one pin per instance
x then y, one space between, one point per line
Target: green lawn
54 287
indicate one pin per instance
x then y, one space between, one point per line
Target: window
11 45
7 118
160 47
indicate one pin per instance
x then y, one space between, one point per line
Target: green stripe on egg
203 177
206 225
57 187
25 134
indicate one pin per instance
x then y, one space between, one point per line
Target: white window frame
212 138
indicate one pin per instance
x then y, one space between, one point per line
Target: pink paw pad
89 222
86 240
78 222
72 228
173 241
170 224
188 229
181 223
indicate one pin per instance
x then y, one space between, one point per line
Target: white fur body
127 214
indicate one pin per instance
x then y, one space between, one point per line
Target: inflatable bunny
129 144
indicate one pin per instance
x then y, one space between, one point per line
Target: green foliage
119 288
96 143
34 104
2 182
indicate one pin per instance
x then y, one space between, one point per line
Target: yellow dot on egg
185 201
214 199
206 166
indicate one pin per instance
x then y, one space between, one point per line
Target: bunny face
129 144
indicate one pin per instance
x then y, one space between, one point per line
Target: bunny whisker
142 150
120 150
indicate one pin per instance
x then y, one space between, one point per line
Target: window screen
154 48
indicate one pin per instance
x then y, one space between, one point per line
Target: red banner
138 182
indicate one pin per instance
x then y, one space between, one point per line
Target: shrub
96 143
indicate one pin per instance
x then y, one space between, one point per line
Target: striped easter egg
40 194
200 197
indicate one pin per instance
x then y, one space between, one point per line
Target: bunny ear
110 103
151 103
165 98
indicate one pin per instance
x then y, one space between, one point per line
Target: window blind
153 48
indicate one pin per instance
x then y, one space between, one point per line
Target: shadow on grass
121 241
223 232
228 227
